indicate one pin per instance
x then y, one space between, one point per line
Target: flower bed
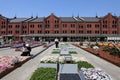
16 45
61 59
7 63
94 74
103 53
5 45
44 74
52 59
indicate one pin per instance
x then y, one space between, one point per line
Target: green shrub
84 64
44 74
106 48
55 52
113 51
72 52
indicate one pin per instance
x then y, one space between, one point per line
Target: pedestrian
24 50
56 42
29 49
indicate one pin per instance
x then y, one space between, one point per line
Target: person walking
56 42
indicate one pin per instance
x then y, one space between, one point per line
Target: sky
60 8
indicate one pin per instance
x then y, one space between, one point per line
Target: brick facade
64 28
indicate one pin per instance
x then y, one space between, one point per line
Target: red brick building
64 28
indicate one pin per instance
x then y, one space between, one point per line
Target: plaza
25 71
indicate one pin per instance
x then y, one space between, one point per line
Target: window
72 25
39 26
10 26
97 26
114 22
3 32
17 32
55 21
31 26
47 26
105 22
47 32
89 32
80 26
56 32
81 31
104 32
72 31
64 31
24 32
104 26
39 31
17 26
3 22
9 32
3 26
114 26
96 32
64 25
88 25
114 32
47 22
24 27
56 26
32 32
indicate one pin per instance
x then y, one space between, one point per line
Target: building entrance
64 39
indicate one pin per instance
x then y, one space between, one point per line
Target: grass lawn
44 74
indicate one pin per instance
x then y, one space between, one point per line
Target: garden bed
44 74
9 63
103 54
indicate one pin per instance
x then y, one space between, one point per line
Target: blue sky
61 8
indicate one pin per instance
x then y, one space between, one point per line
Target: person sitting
29 49
24 50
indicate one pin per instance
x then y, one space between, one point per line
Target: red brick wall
52 18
